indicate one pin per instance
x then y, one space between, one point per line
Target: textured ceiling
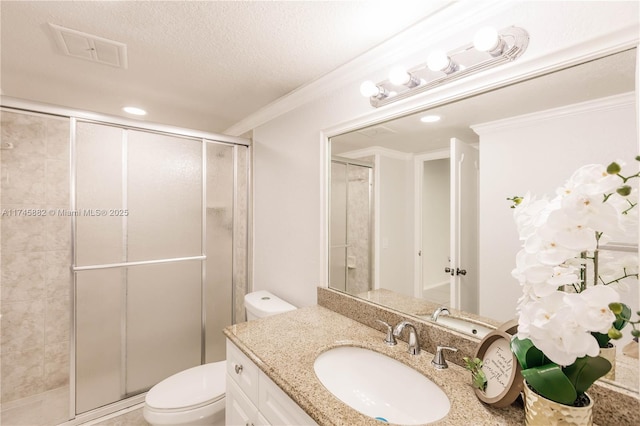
199 64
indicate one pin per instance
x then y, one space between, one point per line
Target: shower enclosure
350 265
158 253
154 227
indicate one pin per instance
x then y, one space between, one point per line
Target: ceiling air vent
90 47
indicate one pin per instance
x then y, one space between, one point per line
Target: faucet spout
442 310
414 344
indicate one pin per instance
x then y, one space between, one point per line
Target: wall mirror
405 197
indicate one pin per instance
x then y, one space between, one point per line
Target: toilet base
210 415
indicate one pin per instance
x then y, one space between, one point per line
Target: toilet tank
260 304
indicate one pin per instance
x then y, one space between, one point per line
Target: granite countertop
285 347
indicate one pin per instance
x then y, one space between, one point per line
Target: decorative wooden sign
500 366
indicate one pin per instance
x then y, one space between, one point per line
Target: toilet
196 396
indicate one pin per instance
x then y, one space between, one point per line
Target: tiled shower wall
35 256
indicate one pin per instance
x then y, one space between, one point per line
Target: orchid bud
635 333
624 190
614 333
616 307
614 168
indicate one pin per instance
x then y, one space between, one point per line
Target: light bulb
399 76
369 89
439 61
488 40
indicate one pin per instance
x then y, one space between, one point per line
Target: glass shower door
138 260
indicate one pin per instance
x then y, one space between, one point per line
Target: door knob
458 271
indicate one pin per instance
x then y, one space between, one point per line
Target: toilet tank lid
262 303
190 388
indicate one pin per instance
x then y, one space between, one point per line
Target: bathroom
288 174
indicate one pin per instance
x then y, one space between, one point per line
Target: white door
464 226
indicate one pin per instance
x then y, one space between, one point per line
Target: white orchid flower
591 307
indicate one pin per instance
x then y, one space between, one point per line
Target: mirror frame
459 90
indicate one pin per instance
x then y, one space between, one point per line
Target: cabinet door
277 407
238 409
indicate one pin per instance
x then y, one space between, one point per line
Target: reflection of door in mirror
350 231
434 283
464 229
449 213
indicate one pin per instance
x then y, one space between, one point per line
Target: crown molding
603 104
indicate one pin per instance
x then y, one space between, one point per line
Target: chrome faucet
438 360
414 345
442 310
389 339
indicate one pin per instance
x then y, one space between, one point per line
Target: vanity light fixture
489 49
134 110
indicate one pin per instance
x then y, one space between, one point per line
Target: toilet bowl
190 397
196 396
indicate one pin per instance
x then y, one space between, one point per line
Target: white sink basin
381 387
468 327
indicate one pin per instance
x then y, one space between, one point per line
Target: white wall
290 151
538 153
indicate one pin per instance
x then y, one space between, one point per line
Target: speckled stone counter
614 405
285 347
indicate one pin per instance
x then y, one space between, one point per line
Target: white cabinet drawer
277 407
242 371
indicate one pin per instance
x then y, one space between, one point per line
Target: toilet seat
189 389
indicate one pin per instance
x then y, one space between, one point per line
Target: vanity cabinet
252 398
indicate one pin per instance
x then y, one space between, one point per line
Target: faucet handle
390 339
438 360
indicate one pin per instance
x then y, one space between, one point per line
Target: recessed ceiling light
134 110
430 118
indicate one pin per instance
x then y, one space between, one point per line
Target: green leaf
527 354
585 371
551 382
622 317
479 380
602 338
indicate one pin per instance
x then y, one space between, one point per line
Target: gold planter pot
540 411
610 355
